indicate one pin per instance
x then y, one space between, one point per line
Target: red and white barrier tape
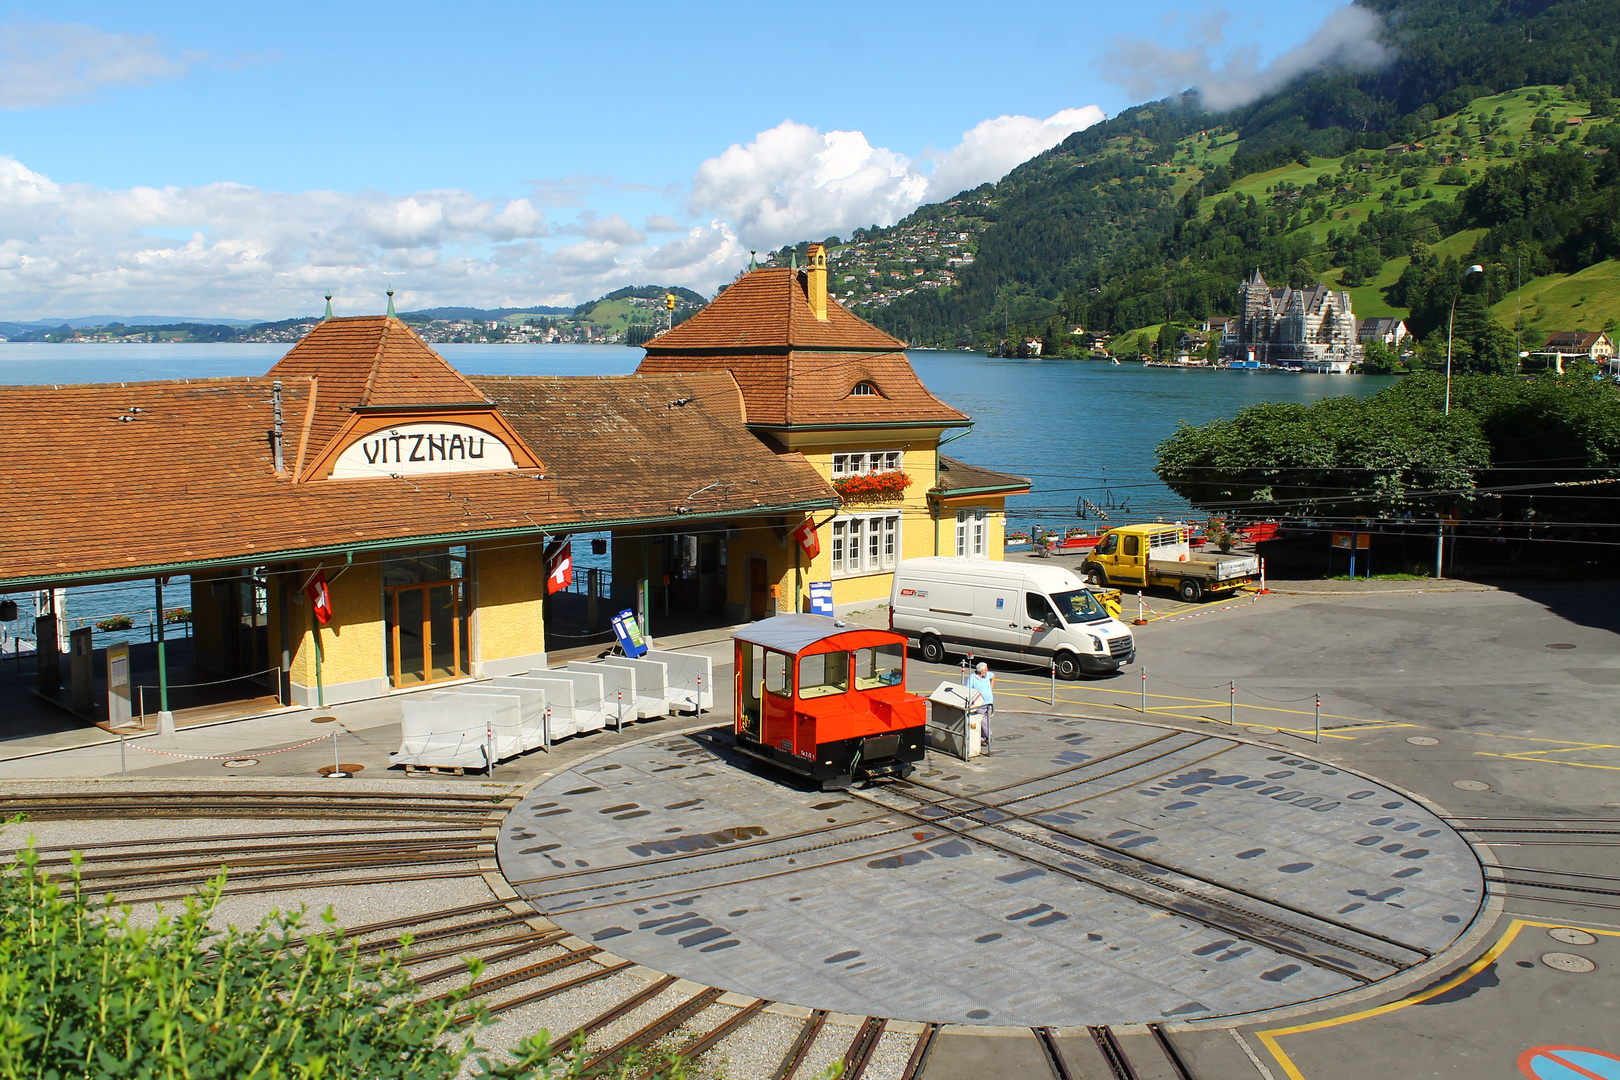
233 757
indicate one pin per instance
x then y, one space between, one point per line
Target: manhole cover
1471 785
1423 740
1560 645
241 762
1261 730
1568 961
1571 936
345 768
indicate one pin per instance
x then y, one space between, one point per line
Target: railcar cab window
823 674
777 666
880 665
1109 545
1040 609
1079 606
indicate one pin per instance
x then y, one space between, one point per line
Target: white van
1008 611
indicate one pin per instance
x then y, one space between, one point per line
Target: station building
431 503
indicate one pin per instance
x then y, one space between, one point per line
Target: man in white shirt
982 700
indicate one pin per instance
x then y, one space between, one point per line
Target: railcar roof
794 633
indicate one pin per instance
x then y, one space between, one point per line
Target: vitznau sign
422 448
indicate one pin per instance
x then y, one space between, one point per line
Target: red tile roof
652 445
371 361
768 309
108 479
792 369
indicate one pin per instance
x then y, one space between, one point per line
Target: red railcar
827 700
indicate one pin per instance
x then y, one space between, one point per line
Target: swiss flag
320 597
805 534
560 570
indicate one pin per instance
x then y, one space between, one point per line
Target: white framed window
871 461
972 534
865 544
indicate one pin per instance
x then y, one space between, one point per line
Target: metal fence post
1319 716
1232 712
620 724
1054 680
337 766
1144 690
122 768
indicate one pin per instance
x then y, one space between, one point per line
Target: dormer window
864 389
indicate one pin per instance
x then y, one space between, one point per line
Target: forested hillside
1155 216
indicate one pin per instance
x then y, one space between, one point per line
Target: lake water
1078 429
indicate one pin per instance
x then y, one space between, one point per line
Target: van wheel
1191 590
932 649
1068 666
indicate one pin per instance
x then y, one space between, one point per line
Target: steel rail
821 830
293 887
918 1061
1053 1054
656 1028
466 965
272 868
629 1004
551 991
519 975
859 1054
1237 914
801 1045
1131 856
703 1044
265 855
1113 1053
161 841
533 939
240 793
1171 1054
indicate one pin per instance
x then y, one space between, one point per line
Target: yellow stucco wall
511 598
920 532
352 643
207 622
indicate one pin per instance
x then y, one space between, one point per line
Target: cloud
1348 38
991 148
52 63
232 250
793 182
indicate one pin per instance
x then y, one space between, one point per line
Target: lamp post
1451 326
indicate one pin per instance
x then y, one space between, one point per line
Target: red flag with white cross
805 534
560 571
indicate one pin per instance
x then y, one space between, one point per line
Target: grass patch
1586 300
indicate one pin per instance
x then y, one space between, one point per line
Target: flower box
872 487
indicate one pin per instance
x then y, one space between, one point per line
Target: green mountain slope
1156 215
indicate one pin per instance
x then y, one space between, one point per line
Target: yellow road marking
1549 761
1359 722
1164 710
1532 738
1270 1037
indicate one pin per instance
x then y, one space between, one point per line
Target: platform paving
687 857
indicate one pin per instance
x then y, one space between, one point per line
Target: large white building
1312 329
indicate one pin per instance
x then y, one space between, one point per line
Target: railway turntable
1094 872
826 700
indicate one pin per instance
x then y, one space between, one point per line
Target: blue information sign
628 631
821 602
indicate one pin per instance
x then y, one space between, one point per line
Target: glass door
425 637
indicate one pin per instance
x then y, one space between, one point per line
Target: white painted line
1243 1044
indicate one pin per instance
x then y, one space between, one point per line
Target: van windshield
1079 606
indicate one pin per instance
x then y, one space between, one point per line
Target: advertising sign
628 631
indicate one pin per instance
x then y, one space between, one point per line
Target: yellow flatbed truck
1159 556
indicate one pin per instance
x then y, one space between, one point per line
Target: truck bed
1208 566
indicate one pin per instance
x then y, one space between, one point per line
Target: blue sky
237 160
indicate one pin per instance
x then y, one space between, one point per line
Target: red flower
878 485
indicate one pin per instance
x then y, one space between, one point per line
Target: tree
87 991
1454 176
